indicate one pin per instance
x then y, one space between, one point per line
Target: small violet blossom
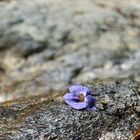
79 97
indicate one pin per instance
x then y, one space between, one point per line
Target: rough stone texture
48 117
44 46
47 45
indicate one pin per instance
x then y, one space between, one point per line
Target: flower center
81 97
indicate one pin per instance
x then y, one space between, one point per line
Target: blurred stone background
50 44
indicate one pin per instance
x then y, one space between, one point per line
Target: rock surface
45 47
48 117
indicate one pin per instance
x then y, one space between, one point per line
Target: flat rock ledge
47 116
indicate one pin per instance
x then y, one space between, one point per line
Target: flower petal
90 100
70 97
78 89
86 91
78 105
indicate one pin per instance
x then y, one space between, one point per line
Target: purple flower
79 97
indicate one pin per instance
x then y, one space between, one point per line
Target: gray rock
48 117
44 46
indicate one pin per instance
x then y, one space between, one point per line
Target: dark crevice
132 16
66 38
3 49
2 69
5 1
36 50
75 73
119 55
